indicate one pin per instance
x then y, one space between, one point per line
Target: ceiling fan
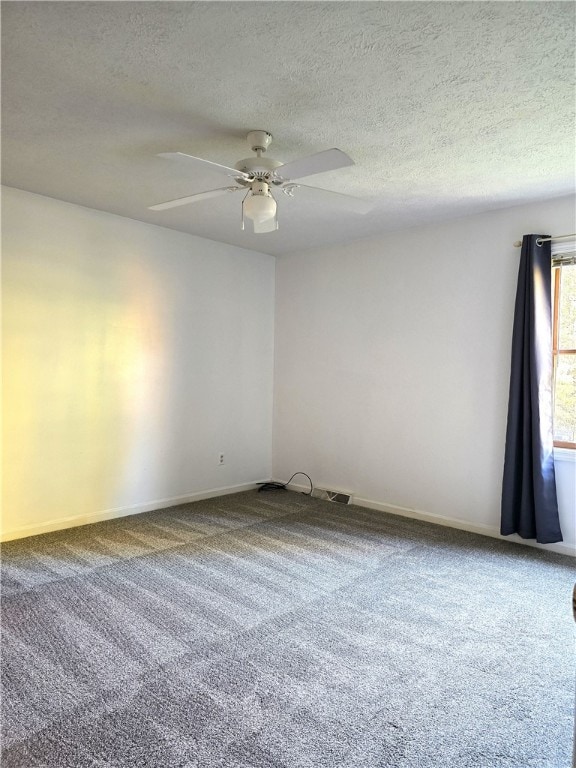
259 175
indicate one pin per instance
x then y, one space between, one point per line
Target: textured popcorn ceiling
446 108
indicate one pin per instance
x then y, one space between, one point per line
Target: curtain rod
541 240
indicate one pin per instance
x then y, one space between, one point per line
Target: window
564 347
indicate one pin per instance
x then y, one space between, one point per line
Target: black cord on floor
282 486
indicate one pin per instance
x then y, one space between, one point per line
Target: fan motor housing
257 165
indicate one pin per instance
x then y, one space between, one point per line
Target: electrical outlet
220 459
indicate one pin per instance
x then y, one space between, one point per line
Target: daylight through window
564 349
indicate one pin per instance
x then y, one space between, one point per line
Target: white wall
392 365
133 355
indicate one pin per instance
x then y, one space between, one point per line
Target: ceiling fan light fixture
260 205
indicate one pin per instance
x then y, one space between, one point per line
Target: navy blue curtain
529 504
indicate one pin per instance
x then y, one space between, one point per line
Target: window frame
565 250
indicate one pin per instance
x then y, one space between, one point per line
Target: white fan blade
355 204
206 164
192 198
328 160
265 226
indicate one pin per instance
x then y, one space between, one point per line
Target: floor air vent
328 495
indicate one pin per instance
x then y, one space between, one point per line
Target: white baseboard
135 509
452 522
108 514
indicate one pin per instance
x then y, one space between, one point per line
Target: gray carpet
279 631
